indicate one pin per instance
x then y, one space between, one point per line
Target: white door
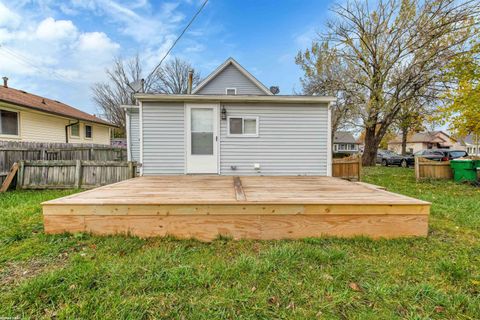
202 138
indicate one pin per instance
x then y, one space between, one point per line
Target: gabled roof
231 61
344 137
32 101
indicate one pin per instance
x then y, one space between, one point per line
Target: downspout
66 129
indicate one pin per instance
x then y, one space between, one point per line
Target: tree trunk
369 157
404 140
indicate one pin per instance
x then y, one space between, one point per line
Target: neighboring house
28 117
471 144
231 124
425 140
344 142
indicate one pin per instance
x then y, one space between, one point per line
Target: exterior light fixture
224 113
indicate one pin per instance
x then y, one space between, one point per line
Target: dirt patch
13 273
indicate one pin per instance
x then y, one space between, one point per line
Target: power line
178 38
27 62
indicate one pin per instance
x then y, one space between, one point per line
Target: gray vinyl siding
163 138
292 141
230 77
134 131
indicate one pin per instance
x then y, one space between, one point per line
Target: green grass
86 277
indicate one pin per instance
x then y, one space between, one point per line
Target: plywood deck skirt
258 207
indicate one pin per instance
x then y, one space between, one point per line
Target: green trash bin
464 170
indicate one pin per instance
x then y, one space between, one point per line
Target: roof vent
274 89
5 82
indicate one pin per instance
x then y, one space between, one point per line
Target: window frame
70 129
243 134
91 131
234 89
6 135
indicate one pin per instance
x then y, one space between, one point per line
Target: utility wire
178 38
27 62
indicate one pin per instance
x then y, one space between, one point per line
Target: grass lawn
87 277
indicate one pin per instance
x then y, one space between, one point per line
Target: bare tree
172 78
395 51
325 72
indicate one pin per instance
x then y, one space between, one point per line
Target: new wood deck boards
257 207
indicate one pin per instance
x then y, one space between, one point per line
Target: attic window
231 91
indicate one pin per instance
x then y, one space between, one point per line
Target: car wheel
384 163
404 164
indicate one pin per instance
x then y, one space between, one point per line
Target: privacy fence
429 169
11 152
69 174
347 168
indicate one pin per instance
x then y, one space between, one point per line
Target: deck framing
205 207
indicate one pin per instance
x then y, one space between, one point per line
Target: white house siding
163 138
231 77
292 140
134 132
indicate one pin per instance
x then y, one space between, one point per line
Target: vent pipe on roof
5 82
190 81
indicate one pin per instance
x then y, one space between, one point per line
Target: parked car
387 158
441 154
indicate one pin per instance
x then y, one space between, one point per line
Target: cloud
56 30
97 41
8 17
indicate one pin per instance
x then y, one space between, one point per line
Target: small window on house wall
243 126
231 91
88 132
75 130
8 123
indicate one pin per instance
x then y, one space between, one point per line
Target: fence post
78 173
417 168
131 170
21 169
359 167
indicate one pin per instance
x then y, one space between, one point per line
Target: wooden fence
347 168
428 169
72 173
11 152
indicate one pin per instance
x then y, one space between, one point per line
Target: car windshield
458 154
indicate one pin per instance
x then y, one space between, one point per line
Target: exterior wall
163 138
42 127
134 132
292 140
230 77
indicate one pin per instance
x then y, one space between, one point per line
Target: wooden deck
205 207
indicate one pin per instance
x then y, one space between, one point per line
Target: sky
59 49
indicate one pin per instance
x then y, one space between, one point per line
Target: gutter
66 129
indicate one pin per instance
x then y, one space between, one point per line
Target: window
88 132
243 126
231 91
9 123
75 130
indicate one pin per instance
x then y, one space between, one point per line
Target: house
230 124
344 142
425 140
471 144
28 117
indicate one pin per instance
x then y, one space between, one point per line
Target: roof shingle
32 101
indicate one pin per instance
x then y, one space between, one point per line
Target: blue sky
58 49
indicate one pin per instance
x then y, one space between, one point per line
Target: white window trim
85 132
243 126
234 89
12 136
79 131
